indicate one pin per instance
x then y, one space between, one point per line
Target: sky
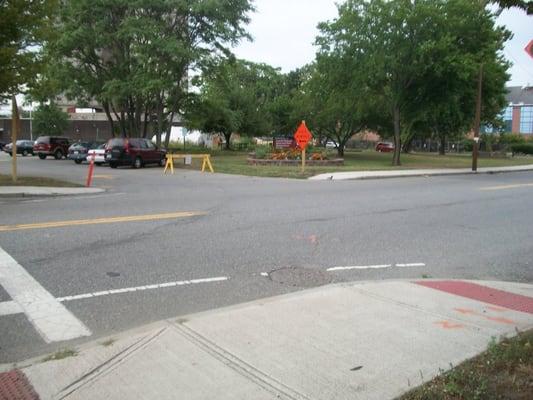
284 32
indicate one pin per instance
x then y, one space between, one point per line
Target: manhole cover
300 277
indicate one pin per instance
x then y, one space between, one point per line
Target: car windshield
115 142
43 140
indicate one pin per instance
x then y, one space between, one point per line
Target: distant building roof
519 94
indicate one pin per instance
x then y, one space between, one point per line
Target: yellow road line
94 221
103 176
503 187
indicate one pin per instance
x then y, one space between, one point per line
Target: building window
526 119
507 118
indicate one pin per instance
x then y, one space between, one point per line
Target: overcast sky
284 32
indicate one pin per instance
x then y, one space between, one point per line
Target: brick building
518 115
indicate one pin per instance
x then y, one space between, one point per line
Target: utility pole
31 125
477 121
15 121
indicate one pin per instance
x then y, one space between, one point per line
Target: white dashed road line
49 317
12 307
141 288
359 267
9 308
382 266
411 265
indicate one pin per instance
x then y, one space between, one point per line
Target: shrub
509 138
522 148
468 144
261 152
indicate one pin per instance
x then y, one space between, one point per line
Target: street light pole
477 121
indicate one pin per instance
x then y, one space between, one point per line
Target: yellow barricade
206 161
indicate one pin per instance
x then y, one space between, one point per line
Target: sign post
302 137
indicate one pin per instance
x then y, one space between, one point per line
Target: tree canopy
415 59
48 119
134 56
235 97
24 26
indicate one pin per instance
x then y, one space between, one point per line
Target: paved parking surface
244 238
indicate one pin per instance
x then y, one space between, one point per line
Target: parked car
79 151
99 154
330 144
133 151
24 147
51 146
385 147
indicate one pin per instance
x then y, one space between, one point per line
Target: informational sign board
283 142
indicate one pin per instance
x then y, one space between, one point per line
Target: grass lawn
504 371
234 162
5 180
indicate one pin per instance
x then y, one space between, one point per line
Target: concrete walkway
366 340
340 176
30 191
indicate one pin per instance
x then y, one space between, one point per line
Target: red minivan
136 152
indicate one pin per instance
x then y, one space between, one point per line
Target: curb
37 191
407 173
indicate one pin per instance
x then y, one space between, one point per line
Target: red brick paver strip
15 386
501 298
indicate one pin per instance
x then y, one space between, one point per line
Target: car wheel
113 165
24 153
42 156
137 163
58 155
162 162
98 163
77 161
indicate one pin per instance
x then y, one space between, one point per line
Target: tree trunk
407 147
169 130
397 138
442 148
159 122
227 136
109 118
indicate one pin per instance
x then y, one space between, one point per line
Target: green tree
134 56
524 5
405 50
235 97
24 27
335 98
48 119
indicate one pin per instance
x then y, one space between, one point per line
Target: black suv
51 146
136 152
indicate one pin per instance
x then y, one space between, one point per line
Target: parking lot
156 246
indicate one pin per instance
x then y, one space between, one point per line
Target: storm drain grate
15 386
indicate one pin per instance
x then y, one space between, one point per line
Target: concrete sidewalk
34 191
366 340
340 176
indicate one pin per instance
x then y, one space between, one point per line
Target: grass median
5 180
234 162
504 371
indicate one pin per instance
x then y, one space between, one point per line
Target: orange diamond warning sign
302 135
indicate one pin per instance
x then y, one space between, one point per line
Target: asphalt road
261 237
